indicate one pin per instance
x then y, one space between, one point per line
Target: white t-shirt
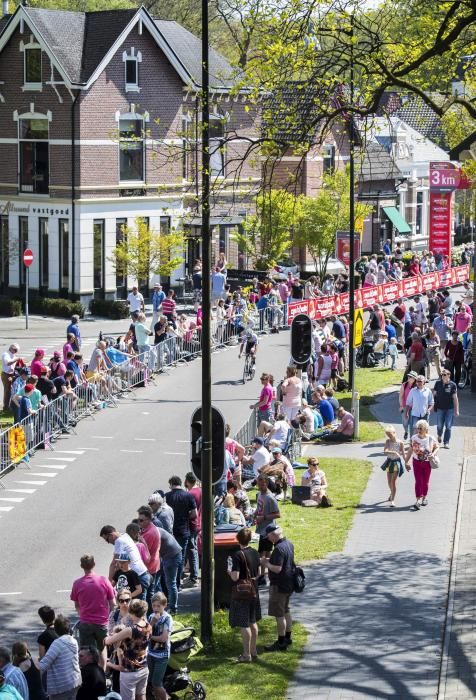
422 447
280 431
135 301
260 459
8 357
126 545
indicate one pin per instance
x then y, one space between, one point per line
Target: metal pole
27 286
208 564
352 219
473 373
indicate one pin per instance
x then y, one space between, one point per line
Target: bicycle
249 368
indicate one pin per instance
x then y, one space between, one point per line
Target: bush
10 307
109 308
64 308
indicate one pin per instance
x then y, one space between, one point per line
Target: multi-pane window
419 213
121 235
32 66
34 155
132 73
329 158
98 254
4 253
131 150
217 147
23 245
63 230
44 259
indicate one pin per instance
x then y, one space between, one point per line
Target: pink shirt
143 551
152 539
461 321
346 426
93 592
35 368
266 396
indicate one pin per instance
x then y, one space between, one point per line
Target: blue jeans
413 420
183 542
444 421
170 568
192 553
145 581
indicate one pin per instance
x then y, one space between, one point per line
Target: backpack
326 502
299 580
342 385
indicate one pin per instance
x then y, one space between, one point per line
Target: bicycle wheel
252 371
463 380
245 369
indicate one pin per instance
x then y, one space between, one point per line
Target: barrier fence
41 429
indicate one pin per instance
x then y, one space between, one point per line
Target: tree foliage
143 251
322 216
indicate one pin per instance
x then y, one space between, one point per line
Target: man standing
387 247
419 403
93 597
135 300
158 296
446 406
191 484
93 678
151 537
125 544
9 359
281 568
163 515
442 327
13 675
170 563
267 510
218 284
185 511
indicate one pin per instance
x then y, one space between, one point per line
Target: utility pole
208 564
352 218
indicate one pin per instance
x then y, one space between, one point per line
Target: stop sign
27 257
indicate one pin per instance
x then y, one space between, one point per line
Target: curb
451 590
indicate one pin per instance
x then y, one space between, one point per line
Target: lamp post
352 219
208 564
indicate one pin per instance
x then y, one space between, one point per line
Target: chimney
4 8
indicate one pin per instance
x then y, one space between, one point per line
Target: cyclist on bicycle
251 340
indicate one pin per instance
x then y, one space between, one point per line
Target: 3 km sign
444 177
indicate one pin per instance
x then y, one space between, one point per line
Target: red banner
440 222
324 307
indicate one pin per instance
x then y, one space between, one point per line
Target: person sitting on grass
316 479
344 432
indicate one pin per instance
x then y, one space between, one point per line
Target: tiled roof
417 114
291 115
377 164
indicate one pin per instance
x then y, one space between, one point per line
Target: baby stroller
365 356
177 682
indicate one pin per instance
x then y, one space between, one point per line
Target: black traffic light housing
301 339
218 444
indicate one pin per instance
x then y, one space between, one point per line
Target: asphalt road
51 513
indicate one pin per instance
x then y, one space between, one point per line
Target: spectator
13 675
245 614
260 457
446 406
159 647
48 636
135 300
151 537
416 354
192 486
185 510
73 329
162 512
21 658
69 346
37 362
233 515
93 597
266 513
158 297
169 308
315 478
280 566
419 403
124 543
7 691
125 578
291 390
422 447
170 563
344 432
443 327
56 365
61 663
265 401
93 678
142 333
454 355
17 387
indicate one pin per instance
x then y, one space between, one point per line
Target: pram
365 356
177 682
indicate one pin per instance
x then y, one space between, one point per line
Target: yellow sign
358 327
17 444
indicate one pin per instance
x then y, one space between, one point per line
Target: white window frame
31 87
215 149
144 118
136 56
32 115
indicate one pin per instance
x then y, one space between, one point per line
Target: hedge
64 308
109 308
10 307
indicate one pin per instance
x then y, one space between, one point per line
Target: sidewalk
378 609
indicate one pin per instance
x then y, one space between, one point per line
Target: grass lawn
266 678
369 382
6 419
315 533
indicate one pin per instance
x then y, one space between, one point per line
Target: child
393 352
159 646
393 448
115 660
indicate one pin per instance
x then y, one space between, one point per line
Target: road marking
184 441
32 483
96 449
12 499
62 459
69 452
50 476
102 437
21 490
12 593
175 453
145 413
52 466
64 590
132 451
5 509
145 439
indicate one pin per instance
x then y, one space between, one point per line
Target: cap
276 449
24 370
258 441
29 387
122 556
272 528
412 375
57 354
157 284
39 352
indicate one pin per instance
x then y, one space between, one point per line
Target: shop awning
397 219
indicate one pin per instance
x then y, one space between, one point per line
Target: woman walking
243 566
291 390
423 448
394 450
405 389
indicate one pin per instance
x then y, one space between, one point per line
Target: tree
143 251
321 216
267 235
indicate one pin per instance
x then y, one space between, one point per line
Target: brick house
99 113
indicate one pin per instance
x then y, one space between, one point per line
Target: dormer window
32 68
131 66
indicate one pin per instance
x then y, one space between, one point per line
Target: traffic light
301 339
218 444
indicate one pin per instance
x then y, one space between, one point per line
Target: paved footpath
378 609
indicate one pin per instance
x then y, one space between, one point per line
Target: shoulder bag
244 589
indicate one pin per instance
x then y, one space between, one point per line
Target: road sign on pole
343 247
358 327
27 261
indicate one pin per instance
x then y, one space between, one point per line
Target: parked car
283 268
